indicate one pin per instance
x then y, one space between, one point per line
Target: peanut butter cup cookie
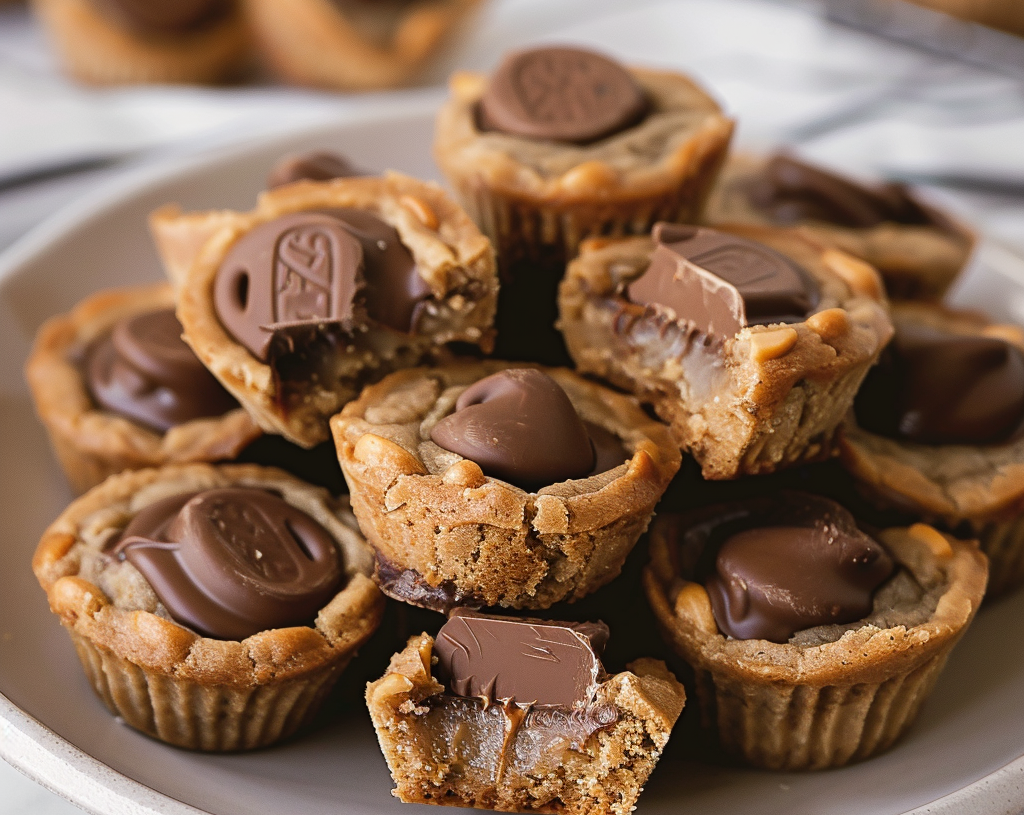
750 342
937 431
918 249
212 608
116 42
327 286
118 389
485 484
562 143
556 735
813 644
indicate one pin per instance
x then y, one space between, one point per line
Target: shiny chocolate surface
561 94
233 562
144 371
938 387
519 426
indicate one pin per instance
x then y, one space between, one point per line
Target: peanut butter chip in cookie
232 562
722 283
519 426
561 94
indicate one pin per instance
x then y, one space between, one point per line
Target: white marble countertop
850 99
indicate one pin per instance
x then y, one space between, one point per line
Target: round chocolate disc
561 94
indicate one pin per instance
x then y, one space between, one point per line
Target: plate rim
55 763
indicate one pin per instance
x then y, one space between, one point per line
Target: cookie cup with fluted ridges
446 534
786 706
92 443
163 678
766 398
604 773
451 256
537 199
969 490
96 49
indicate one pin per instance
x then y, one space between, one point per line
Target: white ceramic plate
964 755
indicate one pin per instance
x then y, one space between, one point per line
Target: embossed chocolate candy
790 191
318 165
143 370
529 661
561 94
519 426
164 16
232 562
938 387
802 565
312 269
720 282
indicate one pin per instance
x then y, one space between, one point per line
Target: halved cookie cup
452 258
766 398
163 678
839 698
92 443
446 534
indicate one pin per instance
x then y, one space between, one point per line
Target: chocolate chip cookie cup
327 286
541 163
819 657
118 390
353 45
918 249
750 343
574 747
484 484
271 570
113 42
937 431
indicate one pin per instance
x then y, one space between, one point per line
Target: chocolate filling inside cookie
561 94
934 386
165 17
233 562
144 371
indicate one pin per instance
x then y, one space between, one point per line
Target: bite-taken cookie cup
750 342
452 528
352 44
918 249
561 144
591 753
326 286
785 698
114 42
937 431
92 441
162 676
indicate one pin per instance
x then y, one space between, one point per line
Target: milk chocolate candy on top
144 371
232 562
519 426
722 283
561 94
529 661
319 165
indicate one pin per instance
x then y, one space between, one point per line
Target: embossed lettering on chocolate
561 94
525 660
519 426
144 371
722 283
232 562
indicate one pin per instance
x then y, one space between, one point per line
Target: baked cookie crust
459 537
605 774
162 678
92 443
451 255
828 703
768 397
